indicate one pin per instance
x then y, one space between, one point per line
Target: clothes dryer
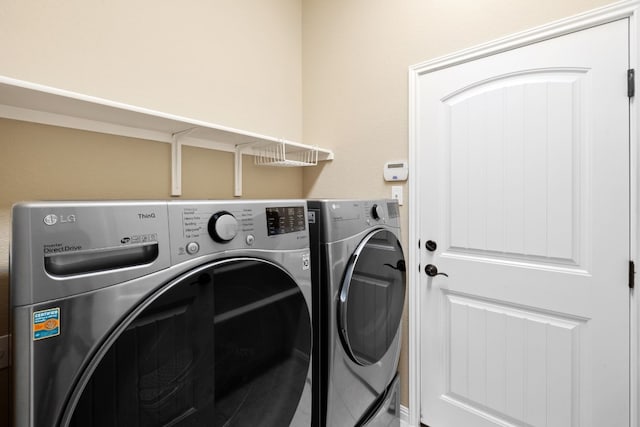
186 313
359 280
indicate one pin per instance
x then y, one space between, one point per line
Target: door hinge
631 82
632 274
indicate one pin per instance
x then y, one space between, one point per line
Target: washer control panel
68 247
202 228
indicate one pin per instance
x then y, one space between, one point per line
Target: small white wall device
396 171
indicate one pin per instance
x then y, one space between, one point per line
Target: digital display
282 220
393 210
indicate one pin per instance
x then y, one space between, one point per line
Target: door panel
511 172
500 357
528 200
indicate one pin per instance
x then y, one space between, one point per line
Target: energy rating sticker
46 323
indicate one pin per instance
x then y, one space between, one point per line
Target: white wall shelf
26 101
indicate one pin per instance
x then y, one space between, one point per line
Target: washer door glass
228 344
372 297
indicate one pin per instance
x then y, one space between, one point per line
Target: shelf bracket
176 161
237 169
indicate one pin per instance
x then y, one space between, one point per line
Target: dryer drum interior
226 345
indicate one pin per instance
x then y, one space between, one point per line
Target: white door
525 191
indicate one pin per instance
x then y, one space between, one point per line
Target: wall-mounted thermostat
396 171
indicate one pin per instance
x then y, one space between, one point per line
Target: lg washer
359 280
186 313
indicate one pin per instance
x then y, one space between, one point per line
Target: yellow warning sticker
46 323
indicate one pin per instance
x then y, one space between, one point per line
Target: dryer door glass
228 344
372 297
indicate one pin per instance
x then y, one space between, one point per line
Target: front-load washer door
372 297
227 344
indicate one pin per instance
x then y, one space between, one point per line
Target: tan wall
355 59
235 63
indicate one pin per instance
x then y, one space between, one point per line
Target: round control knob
376 212
223 227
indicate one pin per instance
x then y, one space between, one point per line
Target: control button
250 239
376 212
192 248
223 227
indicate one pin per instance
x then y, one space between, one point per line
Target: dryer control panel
346 218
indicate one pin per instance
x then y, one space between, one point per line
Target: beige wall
236 63
356 55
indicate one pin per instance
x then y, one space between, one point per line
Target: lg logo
53 219
50 219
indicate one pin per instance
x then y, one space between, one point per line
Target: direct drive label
58 248
46 323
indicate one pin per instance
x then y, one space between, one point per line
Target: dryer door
227 344
372 297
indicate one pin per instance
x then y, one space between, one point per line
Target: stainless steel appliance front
161 313
359 287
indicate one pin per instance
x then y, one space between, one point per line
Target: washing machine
167 313
359 281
